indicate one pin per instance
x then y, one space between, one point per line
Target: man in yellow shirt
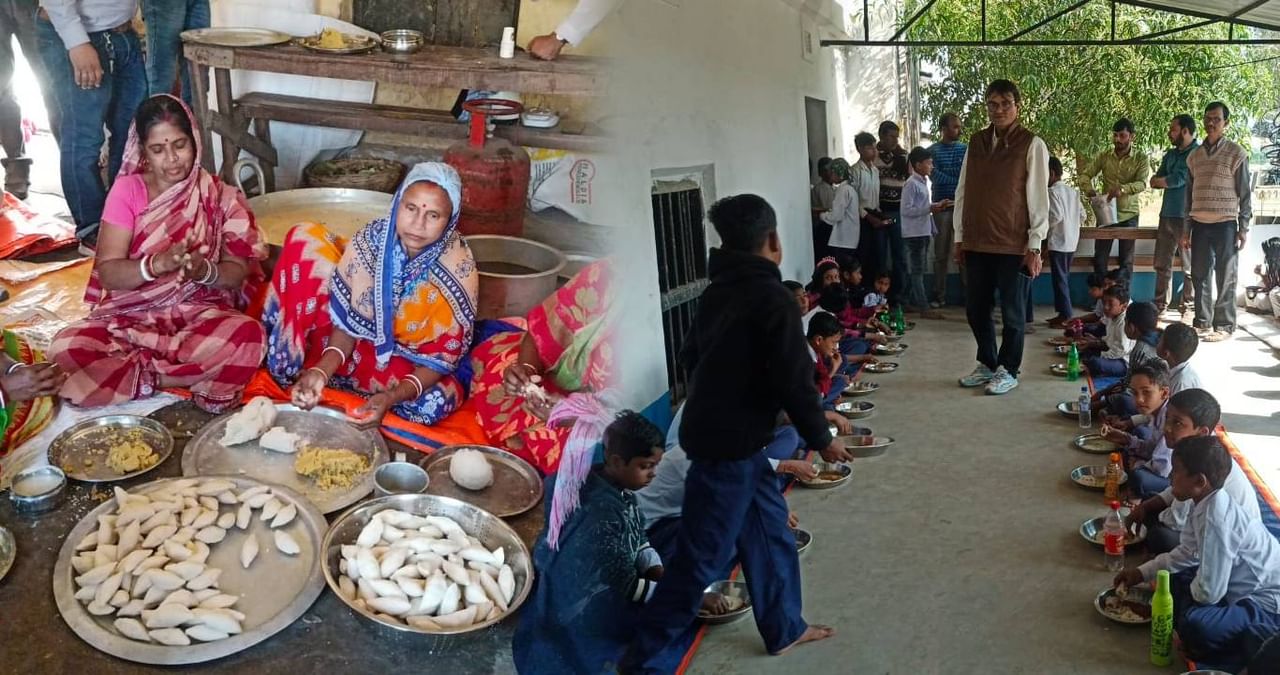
1124 171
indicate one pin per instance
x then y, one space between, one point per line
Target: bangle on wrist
322 373
417 384
14 366
341 355
144 268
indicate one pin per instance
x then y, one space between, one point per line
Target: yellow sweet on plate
131 455
332 39
330 467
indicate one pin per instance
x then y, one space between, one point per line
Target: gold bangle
323 374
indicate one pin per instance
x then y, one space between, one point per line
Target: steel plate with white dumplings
214 565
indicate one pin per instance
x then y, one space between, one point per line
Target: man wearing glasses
1218 213
1001 216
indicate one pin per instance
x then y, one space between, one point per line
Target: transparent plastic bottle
1082 409
1113 539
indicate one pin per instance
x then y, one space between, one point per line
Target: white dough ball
470 469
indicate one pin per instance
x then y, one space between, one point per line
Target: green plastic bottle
899 322
1073 364
1162 621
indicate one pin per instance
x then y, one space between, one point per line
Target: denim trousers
166 19
83 113
985 275
18 19
1060 270
917 264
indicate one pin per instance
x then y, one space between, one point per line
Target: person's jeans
943 252
1145 483
1102 251
729 506
166 19
83 112
1169 242
917 249
1223 635
18 19
1214 259
987 273
1060 270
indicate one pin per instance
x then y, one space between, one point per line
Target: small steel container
397 478
402 41
34 502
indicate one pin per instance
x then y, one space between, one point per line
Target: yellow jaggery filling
129 456
332 39
331 468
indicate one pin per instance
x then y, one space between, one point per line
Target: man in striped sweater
1218 214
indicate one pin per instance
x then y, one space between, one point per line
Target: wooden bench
1141 263
397 119
1113 233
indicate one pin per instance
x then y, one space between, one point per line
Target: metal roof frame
1235 17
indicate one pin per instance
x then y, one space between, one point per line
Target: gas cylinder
494 172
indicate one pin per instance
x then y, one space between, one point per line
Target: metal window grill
682 268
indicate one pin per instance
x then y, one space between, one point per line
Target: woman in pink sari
176 250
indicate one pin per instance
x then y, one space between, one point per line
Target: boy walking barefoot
746 363
1225 571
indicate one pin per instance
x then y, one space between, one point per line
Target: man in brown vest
1219 209
1002 215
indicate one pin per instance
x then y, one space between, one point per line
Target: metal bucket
1104 210
516 274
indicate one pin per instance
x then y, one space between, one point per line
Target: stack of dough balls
470 469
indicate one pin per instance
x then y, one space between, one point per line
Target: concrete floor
958 551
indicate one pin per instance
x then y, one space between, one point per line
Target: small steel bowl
47 500
856 431
891 350
1059 369
732 589
1136 596
8 551
803 540
861 388
845 471
1091 531
855 409
402 41
862 447
881 367
1094 477
1069 409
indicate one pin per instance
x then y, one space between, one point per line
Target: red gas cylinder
494 172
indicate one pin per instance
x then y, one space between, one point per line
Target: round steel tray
846 472
1068 409
861 388
1085 441
489 529
355 44
235 37
1139 596
855 409
1059 369
324 427
1094 477
517 485
891 350
862 447
92 440
803 540
882 367
1091 531
275 591
733 589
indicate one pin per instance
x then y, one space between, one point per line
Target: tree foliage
1073 95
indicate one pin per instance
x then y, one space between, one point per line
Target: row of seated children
1094 323
1225 568
1176 344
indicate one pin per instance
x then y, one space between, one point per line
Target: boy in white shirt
1110 356
845 216
1225 571
1191 412
1178 343
1065 217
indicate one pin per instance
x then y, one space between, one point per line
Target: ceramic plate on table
235 37
82 450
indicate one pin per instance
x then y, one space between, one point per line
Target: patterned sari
572 331
28 418
404 312
190 333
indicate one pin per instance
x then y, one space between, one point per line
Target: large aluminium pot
516 274
343 211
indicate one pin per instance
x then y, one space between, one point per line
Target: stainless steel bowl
1059 369
43 501
1094 477
488 528
732 589
1139 596
855 410
891 349
8 551
882 367
862 447
845 471
1091 531
402 41
861 388
856 431
803 540
1068 409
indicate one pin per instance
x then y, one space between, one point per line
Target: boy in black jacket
746 361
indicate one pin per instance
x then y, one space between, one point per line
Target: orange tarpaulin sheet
24 231
459 428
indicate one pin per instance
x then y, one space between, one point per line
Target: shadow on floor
1258 425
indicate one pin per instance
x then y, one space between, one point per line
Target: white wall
702 84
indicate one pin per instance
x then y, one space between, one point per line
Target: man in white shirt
1226 568
574 29
94 60
1065 217
1000 221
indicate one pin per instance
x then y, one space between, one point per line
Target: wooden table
433 67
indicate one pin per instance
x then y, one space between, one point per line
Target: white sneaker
980 376
1001 383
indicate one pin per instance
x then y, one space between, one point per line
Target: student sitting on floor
1225 571
1178 343
1095 323
1109 357
661 501
1146 455
594 576
802 296
851 276
1191 412
824 346
879 296
825 273
856 341
1140 326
